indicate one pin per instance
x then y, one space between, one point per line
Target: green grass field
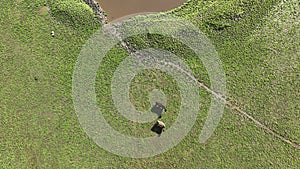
257 41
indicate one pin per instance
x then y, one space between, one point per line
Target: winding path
103 19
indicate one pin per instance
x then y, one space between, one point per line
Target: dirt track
103 19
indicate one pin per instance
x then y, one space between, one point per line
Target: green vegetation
257 41
260 56
73 13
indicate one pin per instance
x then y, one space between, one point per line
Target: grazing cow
158 109
158 127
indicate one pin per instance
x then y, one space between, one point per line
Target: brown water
119 8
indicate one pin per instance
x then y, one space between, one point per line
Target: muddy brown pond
119 8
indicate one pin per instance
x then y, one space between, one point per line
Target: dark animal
158 127
158 109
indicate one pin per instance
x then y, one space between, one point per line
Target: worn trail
229 104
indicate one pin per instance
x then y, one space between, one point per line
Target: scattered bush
73 13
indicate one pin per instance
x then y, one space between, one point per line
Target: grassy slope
260 55
39 128
280 92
